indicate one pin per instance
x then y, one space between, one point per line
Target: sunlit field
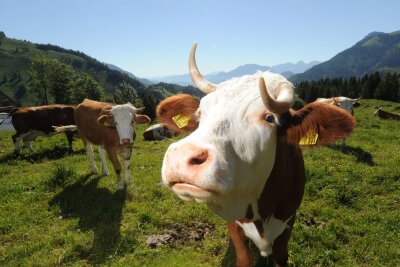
54 212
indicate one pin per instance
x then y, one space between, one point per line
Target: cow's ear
106 120
318 124
177 112
141 119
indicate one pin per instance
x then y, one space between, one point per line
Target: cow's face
123 118
228 158
229 155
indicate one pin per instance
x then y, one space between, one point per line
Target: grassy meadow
54 212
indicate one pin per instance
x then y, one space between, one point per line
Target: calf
112 128
386 115
31 122
243 157
158 132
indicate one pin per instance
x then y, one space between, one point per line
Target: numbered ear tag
310 139
181 121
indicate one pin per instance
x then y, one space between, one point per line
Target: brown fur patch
182 104
328 121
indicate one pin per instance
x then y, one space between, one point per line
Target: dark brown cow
386 115
243 158
31 122
111 127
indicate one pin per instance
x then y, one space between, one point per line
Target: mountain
377 51
287 70
130 74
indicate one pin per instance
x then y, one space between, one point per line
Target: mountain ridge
286 69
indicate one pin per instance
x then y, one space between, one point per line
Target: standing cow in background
112 128
243 158
158 132
342 102
31 122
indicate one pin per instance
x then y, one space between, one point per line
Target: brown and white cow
243 157
112 129
31 122
386 115
158 132
342 102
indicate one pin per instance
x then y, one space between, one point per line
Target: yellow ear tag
310 139
108 124
181 121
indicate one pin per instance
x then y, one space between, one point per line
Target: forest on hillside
383 86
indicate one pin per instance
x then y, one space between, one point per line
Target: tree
40 80
126 93
85 86
2 37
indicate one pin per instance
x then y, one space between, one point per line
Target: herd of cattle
242 156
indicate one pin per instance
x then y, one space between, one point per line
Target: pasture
54 212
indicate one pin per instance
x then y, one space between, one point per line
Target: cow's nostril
199 159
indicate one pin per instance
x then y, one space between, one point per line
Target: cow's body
31 122
243 157
111 128
386 115
158 132
342 102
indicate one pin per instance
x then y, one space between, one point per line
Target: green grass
53 212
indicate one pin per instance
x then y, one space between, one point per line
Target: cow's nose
186 162
199 157
126 141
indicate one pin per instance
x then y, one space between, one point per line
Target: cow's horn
354 100
284 97
198 79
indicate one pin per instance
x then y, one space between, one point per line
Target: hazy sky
153 37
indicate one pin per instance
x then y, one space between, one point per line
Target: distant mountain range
377 51
287 70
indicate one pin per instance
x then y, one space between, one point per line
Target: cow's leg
280 245
27 142
343 142
16 138
112 155
70 137
102 153
239 240
89 152
127 164
28 138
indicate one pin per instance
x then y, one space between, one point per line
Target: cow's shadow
54 153
229 259
361 155
99 210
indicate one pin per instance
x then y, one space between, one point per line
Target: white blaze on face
240 144
124 120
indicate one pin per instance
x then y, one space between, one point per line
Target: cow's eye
269 118
115 123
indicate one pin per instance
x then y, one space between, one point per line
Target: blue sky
153 37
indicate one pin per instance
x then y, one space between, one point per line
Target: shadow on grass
229 259
43 154
361 155
99 210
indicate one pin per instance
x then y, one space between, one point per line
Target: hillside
377 51
16 57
